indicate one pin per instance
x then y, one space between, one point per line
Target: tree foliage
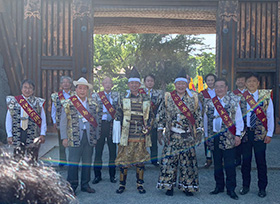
161 55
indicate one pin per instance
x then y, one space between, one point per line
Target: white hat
82 81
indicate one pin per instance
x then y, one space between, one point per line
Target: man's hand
10 140
42 139
65 143
267 140
237 141
55 126
160 136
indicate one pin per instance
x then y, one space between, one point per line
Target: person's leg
123 176
98 156
154 147
229 163
62 153
112 157
246 160
218 166
73 166
260 156
140 178
87 151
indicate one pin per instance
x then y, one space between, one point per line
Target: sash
257 109
60 96
29 110
224 115
205 94
142 91
107 104
237 92
84 112
182 107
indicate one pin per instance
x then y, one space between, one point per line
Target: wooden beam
161 26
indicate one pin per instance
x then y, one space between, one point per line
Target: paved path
105 191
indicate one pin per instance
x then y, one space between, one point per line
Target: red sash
84 112
29 110
107 104
182 107
142 91
224 115
257 109
60 96
237 92
205 93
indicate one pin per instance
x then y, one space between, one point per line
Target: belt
251 129
106 121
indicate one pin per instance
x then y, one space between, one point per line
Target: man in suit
25 119
156 99
57 98
107 102
260 126
79 128
224 124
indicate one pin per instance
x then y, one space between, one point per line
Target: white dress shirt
211 92
238 120
269 114
105 111
53 113
9 121
84 103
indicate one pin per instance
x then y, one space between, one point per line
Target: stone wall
4 91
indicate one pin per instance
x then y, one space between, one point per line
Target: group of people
143 117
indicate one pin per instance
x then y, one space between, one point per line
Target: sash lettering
141 91
182 107
84 112
107 104
29 110
257 109
224 115
205 93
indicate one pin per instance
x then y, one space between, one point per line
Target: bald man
107 102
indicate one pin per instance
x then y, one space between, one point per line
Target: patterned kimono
33 130
179 149
135 115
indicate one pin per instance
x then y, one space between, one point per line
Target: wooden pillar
226 39
82 39
32 43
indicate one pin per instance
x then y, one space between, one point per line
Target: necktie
24 122
109 117
253 118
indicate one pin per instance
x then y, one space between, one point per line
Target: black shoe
120 190
216 191
88 190
169 192
156 164
208 163
187 193
244 190
113 180
232 195
141 190
262 193
96 180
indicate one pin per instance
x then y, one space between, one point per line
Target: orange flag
191 85
200 83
